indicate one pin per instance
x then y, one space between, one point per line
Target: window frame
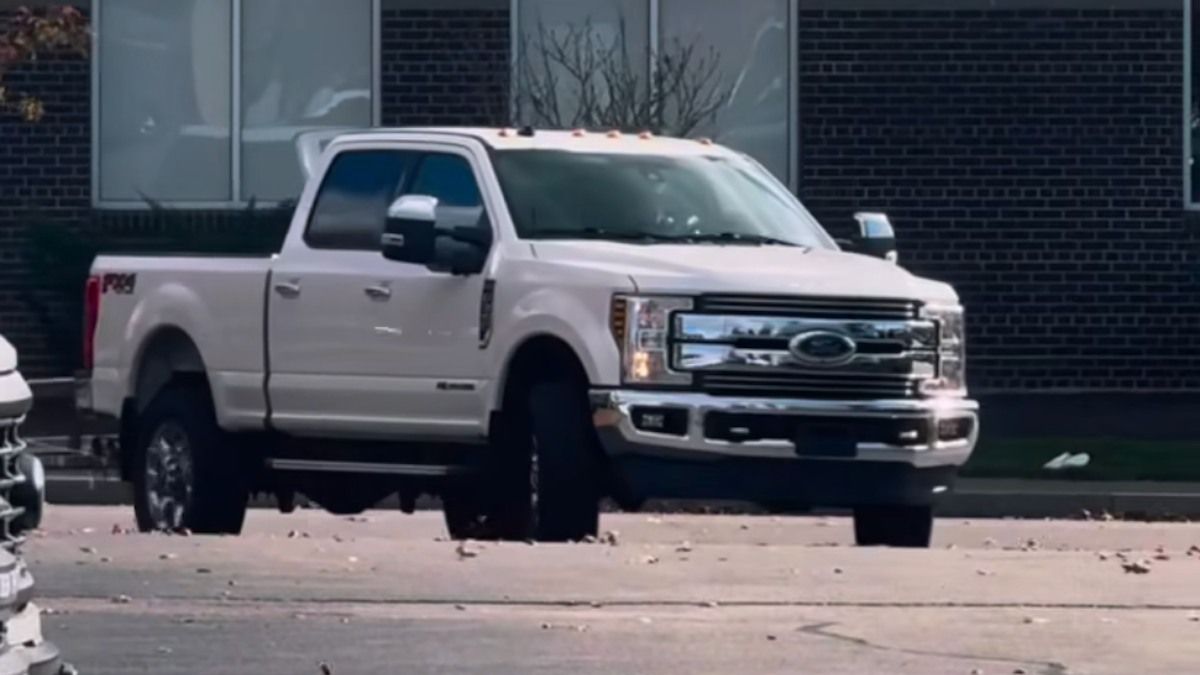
1190 203
235 170
654 14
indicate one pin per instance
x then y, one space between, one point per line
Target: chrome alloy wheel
169 476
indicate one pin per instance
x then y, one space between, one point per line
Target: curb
1011 499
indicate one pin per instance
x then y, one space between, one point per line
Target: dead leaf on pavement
1136 567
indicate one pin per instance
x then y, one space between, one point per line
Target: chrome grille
753 346
11 447
836 308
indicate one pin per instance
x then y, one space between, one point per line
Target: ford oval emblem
822 348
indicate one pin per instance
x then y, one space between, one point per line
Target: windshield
554 194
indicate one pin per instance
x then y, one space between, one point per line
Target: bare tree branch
574 77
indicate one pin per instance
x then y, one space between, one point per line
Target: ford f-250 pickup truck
525 323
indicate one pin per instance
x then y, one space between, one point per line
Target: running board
372 468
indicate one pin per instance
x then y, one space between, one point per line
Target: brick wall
1031 157
45 176
445 66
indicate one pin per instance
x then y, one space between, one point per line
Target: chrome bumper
613 417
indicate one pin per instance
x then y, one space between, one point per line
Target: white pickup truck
524 323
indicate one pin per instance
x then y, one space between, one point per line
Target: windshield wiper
738 238
599 233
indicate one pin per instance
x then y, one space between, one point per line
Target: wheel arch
538 357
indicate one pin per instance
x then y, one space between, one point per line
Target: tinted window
352 205
449 178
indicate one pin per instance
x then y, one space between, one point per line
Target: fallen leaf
122 600
650 559
1136 567
712 604
168 556
611 538
465 551
1035 620
87 549
685 547
771 638
105 559
461 608
203 570
325 668
117 529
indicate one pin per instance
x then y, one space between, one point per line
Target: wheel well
539 359
169 354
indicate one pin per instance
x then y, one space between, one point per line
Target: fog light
671 421
955 429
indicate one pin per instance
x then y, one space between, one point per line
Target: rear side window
351 207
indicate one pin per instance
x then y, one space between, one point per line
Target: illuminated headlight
952 351
640 325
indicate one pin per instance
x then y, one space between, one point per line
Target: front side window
554 194
351 206
449 178
167 75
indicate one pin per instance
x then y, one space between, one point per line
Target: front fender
581 323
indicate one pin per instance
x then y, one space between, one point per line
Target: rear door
324 341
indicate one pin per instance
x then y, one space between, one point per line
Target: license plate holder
825 441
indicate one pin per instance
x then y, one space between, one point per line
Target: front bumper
801 452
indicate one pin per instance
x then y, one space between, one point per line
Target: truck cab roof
578 140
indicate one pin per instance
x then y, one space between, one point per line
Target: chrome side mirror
410 230
876 236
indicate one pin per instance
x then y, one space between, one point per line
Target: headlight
640 325
952 351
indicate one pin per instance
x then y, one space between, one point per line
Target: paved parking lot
697 594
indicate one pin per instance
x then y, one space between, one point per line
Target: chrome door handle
289 289
378 292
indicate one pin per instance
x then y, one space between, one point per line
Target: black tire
558 498
896 526
568 462
215 490
29 495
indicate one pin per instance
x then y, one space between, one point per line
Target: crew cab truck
526 322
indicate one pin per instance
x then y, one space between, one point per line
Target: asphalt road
694 594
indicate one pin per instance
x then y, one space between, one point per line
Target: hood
773 270
8 357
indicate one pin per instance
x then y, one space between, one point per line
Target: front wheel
544 482
187 472
897 526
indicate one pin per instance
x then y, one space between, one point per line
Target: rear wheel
898 526
187 471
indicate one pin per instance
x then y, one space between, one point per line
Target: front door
429 326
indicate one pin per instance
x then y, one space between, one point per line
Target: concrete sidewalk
973 498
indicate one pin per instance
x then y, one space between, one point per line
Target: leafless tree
573 77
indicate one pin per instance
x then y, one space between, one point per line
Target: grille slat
818 308
806 387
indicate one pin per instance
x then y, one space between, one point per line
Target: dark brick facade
1034 159
445 67
45 176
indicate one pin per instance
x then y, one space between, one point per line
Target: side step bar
373 468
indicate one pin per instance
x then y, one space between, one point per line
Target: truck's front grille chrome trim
11 447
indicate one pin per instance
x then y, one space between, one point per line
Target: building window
199 102
737 85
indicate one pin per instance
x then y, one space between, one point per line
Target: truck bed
219 303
